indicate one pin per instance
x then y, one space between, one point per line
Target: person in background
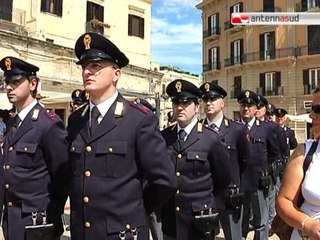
115 146
35 157
233 135
304 220
202 169
256 179
79 99
2 128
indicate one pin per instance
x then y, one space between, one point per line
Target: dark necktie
247 126
214 126
182 135
94 119
14 127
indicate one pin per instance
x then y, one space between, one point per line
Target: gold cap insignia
8 63
178 86
77 93
207 87
87 41
279 111
87 96
247 93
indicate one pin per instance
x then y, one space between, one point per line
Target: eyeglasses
316 108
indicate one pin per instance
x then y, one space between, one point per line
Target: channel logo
240 18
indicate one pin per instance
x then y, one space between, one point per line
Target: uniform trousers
230 225
258 204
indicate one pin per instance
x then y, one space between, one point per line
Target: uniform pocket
200 162
25 154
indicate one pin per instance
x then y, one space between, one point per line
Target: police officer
202 168
115 145
79 98
256 179
35 156
233 134
291 140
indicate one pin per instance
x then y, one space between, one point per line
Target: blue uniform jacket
109 169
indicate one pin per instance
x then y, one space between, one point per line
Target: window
214 60
6 10
267 46
236 8
236 49
311 78
268 5
136 26
52 6
213 24
309 4
270 82
237 85
95 16
314 39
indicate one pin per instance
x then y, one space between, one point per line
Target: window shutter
241 50
231 53
217 30
241 6
130 25
218 57
141 28
273 45
304 5
305 76
43 5
261 46
278 79
210 56
262 83
59 7
318 3
209 26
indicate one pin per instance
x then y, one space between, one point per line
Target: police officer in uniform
256 179
35 157
202 168
115 146
291 140
79 98
233 134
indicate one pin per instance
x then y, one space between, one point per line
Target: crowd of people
126 178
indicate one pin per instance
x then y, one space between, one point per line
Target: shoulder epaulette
257 122
118 111
226 122
200 127
140 107
35 114
50 114
285 128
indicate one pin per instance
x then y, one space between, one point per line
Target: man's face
18 91
184 112
281 120
315 115
261 112
99 77
213 106
247 111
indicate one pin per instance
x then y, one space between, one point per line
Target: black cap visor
94 55
15 77
249 101
211 96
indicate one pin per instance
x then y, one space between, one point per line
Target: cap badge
279 111
8 63
87 41
269 106
77 93
247 93
207 87
178 86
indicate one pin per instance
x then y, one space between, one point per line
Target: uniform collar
217 123
24 112
104 106
190 126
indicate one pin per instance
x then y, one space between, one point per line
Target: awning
300 118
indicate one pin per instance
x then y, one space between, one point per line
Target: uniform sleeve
220 166
56 156
243 148
155 163
273 142
292 140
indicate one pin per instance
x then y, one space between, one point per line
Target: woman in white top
303 220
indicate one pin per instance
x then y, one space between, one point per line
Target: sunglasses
316 108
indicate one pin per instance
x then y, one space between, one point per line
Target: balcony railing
278 90
271 9
211 32
233 61
94 28
228 25
303 7
310 49
211 66
269 55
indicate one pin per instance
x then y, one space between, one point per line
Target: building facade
280 62
43 32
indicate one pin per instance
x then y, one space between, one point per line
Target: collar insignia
119 109
35 114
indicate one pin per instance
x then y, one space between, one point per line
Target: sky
176 32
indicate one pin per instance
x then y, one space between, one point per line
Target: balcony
269 55
271 9
95 26
278 90
211 67
310 49
232 28
304 7
213 32
233 61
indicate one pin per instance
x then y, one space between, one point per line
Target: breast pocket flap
197 156
112 148
26 147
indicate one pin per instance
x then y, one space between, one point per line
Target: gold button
73 148
7 167
179 156
87 224
228 147
178 191
10 204
88 148
87 173
177 209
110 149
10 149
25 149
205 205
7 186
85 199
197 156
128 226
178 174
